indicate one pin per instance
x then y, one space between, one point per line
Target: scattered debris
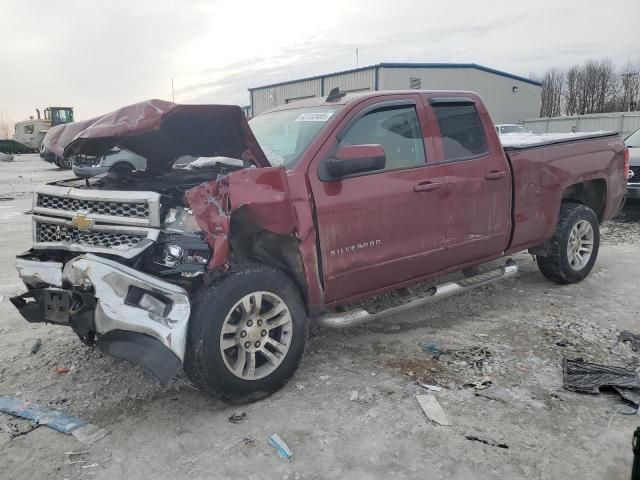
18 427
237 417
580 376
629 394
433 388
480 384
474 356
324 377
433 410
625 409
73 458
36 347
55 419
89 434
497 394
62 370
59 421
486 441
249 441
282 449
562 343
624 337
433 349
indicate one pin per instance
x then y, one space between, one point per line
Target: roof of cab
358 96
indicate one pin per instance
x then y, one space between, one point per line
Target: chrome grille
100 207
49 232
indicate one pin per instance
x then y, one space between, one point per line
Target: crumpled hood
161 131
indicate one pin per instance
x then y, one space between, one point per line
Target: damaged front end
132 315
117 258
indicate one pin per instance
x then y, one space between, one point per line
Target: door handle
495 175
427 186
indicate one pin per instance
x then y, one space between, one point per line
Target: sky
99 55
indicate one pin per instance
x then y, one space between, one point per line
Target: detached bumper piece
142 350
44 305
132 315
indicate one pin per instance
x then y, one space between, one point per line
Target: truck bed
544 171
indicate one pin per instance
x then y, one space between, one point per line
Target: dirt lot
350 411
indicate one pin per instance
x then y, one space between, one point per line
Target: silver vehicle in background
116 159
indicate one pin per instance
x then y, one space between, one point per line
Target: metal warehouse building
510 98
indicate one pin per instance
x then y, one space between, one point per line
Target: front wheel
246 334
574 246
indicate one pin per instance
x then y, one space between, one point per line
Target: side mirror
351 159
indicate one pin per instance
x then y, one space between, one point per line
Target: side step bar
360 315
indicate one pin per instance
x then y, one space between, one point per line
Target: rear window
461 131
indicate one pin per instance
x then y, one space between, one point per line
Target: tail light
626 163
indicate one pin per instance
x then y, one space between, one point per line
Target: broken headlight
180 253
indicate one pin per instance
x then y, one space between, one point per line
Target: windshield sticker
314 117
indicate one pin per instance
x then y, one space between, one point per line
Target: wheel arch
591 193
251 244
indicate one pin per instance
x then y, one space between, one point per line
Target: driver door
380 228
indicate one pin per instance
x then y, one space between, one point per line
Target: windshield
285 134
633 140
512 129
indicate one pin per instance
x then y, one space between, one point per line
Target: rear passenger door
478 179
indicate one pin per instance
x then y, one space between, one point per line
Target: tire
64 163
559 266
209 360
122 168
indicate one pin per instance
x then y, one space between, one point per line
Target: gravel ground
350 411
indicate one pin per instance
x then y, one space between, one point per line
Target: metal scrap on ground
282 449
433 410
60 421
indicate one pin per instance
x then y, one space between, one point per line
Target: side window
28 129
395 128
461 131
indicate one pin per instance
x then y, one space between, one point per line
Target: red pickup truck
337 210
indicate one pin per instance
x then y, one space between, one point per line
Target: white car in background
510 128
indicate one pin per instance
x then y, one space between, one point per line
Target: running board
360 315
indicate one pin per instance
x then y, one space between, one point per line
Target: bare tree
553 82
630 87
6 126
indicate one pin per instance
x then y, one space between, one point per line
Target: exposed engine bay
142 210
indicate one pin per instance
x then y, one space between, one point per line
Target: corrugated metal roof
407 65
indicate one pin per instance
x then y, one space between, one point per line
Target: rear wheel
246 334
122 168
574 246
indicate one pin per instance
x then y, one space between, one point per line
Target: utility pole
357 58
173 97
629 86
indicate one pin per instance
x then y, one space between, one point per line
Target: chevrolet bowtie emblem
81 222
